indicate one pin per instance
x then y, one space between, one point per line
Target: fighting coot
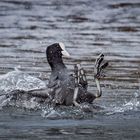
66 88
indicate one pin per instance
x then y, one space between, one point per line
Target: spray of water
133 104
17 80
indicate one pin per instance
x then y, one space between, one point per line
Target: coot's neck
57 66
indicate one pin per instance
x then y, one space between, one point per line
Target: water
86 28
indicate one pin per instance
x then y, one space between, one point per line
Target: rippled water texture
87 28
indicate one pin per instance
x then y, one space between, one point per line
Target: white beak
64 52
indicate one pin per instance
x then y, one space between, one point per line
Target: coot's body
62 83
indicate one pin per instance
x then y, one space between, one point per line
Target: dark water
86 28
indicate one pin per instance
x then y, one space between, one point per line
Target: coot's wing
53 82
61 88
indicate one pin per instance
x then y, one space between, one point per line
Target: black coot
63 88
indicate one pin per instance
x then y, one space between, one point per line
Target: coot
66 88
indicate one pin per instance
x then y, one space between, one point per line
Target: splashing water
4 100
19 80
133 104
50 113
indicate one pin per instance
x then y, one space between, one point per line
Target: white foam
133 104
19 80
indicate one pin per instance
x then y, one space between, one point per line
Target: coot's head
54 54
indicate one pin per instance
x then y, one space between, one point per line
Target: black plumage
62 83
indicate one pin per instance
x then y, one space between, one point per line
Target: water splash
19 80
64 112
133 104
24 103
50 113
4 101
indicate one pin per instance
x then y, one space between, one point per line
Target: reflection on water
86 28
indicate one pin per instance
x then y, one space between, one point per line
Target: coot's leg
75 97
100 65
77 80
41 93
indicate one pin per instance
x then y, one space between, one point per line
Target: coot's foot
80 80
80 76
99 67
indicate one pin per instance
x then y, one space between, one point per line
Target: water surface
87 28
